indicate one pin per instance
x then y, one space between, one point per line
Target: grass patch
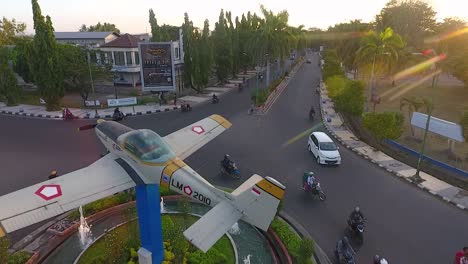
450 101
300 250
114 247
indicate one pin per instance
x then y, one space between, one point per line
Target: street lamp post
92 83
435 78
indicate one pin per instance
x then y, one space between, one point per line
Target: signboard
157 66
122 101
438 126
321 48
92 103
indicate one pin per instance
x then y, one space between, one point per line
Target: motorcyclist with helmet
310 183
355 217
228 163
379 260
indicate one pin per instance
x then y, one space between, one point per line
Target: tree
273 37
77 70
48 73
332 65
385 125
346 40
105 27
414 20
222 50
154 25
455 47
8 31
8 83
187 31
206 54
22 60
351 100
413 105
381 51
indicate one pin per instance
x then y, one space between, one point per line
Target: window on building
129 57
176 53
137 58
119 58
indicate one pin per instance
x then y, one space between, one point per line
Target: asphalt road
405 224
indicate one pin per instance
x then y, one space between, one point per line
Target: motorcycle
357 228
215 100
344 252
232 171
185 108
67 114
316 189
118 116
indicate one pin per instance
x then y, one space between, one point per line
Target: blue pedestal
149 220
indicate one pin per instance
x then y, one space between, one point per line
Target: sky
132 16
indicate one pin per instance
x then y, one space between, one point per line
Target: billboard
157 66
438 126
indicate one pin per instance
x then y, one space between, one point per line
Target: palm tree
273 37
381 50
413 105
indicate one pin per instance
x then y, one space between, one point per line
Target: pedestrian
461 257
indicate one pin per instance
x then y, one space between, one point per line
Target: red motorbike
67 114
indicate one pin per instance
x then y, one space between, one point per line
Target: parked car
323 148
308 61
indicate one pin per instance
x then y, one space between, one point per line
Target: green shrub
464 124
290 239
306 250
164 191
262 96
19 257
213 256
386 125
335 85
351 99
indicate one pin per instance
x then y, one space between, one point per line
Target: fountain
163 209
247 259
235 230
84 230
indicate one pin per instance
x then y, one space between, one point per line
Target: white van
323 148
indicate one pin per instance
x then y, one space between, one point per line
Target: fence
426 158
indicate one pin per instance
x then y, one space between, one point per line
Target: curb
320 256
395 173
281 245
57 117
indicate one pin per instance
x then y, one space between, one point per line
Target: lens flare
413 85
301 135
420 67
446 36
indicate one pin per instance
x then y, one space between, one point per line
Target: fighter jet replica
143 157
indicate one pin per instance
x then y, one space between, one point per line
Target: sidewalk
335 126
150 108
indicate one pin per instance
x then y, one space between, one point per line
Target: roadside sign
438 126
122 101
92 103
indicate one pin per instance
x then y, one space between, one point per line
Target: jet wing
56 196
189 139
213 225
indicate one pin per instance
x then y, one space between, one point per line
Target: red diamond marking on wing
198 129
188 190
49 192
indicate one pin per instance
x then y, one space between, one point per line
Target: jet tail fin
255 201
